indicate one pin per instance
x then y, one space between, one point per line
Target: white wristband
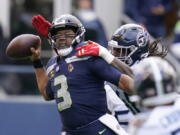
105 54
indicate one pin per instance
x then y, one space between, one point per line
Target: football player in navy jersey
77 84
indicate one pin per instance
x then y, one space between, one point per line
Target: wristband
37 64
106 55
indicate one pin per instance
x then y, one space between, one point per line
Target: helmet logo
142 39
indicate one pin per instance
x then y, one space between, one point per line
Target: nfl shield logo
70 67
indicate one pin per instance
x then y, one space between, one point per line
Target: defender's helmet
64 22
155 82
130 43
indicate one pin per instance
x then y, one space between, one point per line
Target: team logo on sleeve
70 67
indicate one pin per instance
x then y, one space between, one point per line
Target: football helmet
65 22
130 43
155 82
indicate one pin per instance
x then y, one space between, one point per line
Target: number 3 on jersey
63 93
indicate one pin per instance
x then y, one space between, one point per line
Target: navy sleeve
49 91
49 68
105 71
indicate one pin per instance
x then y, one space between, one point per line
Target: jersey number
63 93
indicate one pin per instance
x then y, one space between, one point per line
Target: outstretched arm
126 83
41 76
121 66
94 49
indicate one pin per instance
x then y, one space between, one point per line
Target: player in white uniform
130 43
156 87
175 55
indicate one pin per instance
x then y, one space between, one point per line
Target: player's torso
79 94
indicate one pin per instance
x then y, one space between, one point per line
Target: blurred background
18 88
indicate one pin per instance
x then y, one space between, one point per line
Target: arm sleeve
49 68
49 91
105 71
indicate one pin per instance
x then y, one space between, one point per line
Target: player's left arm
121 66
40 72
94 49
126 83
108 73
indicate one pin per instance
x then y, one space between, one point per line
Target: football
19 47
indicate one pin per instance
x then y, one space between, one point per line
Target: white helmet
155 82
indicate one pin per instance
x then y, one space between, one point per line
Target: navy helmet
68 21
130 43
64 22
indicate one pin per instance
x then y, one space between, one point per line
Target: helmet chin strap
61 52
65 51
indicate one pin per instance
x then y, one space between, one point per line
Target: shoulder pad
51 65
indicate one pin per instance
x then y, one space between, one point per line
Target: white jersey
118 108
164 120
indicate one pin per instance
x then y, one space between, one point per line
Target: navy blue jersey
77 85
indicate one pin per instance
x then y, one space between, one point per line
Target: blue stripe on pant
121 117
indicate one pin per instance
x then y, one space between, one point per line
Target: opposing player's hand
91 49
41 25
94 49
35 54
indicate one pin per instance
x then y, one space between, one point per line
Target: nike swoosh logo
102 131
